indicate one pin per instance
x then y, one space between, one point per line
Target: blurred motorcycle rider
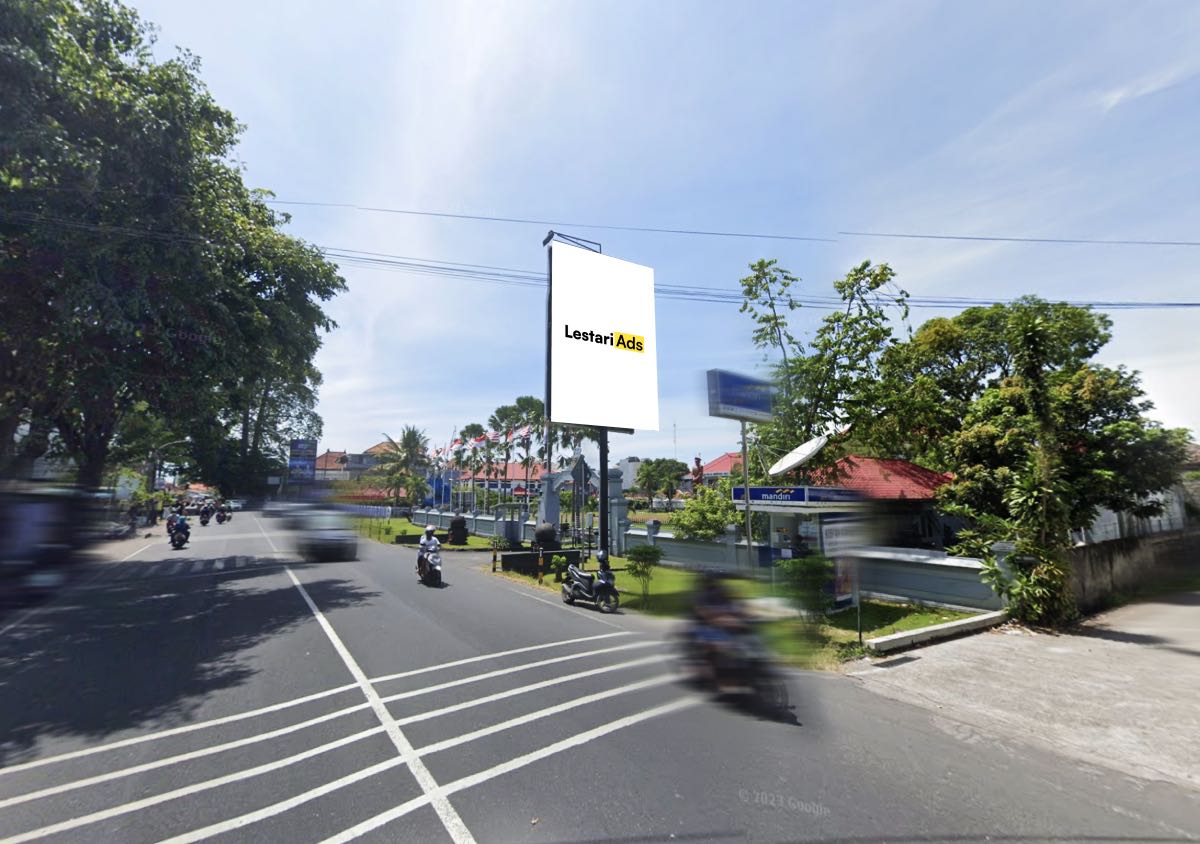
429 545
717 619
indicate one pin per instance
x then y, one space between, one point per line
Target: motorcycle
598 588
180 536
735 665
204 517
429 568
221 518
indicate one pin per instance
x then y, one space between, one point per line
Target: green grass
818 646
376 529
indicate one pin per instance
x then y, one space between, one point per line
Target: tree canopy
141 276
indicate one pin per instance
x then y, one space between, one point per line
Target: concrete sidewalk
1121 691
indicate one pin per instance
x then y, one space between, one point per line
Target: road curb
896 641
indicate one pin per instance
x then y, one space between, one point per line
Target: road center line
154 800
174 731
496 655
174 760
449 816
270 541
532 687
500 672
514 764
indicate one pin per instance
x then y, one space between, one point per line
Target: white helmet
430 528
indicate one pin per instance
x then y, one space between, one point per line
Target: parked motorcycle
429 568
598 588
735 665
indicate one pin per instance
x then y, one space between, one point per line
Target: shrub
499 543
642 561
808 579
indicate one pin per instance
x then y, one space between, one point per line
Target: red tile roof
329 460
885 479
379 448
726 464
506 472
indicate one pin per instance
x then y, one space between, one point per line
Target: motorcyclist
182 527
716 620
429 545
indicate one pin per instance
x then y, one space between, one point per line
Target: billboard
733 396
603 349
302 461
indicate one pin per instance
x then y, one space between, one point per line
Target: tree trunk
260 421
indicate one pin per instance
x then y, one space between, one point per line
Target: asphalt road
229 691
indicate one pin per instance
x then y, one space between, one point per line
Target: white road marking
449 816
102 569
500 672
270 541
543 713
174 731
532 687
292 802
577 613
512 765
496 655
206 785
174 760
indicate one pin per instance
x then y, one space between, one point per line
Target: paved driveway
1123 691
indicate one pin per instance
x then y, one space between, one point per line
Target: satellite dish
798 456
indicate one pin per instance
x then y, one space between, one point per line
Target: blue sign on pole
734 396
796 494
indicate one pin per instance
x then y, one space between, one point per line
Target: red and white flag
479 442
525 432
493 436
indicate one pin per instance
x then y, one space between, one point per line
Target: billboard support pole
746 495
604 503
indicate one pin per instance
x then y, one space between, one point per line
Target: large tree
140 275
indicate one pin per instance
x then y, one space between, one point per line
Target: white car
236 504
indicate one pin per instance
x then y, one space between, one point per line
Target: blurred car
236 504
326 535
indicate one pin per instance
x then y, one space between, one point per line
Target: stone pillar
731 546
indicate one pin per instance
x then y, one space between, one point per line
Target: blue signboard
734 396
302 461
774 494
796 494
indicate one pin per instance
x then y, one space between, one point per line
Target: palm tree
468 434
413 447
503 420
531 412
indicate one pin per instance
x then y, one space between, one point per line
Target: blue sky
1026 119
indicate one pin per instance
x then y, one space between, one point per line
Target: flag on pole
479 442
525 432
493 436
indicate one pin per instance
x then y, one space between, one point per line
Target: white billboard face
603 343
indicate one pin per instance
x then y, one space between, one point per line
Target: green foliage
835 381
807 580
131 249
499 543
706 514
660 475
766 296
641 560
558 565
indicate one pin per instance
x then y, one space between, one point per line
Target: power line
660 230
1005 239
492 274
